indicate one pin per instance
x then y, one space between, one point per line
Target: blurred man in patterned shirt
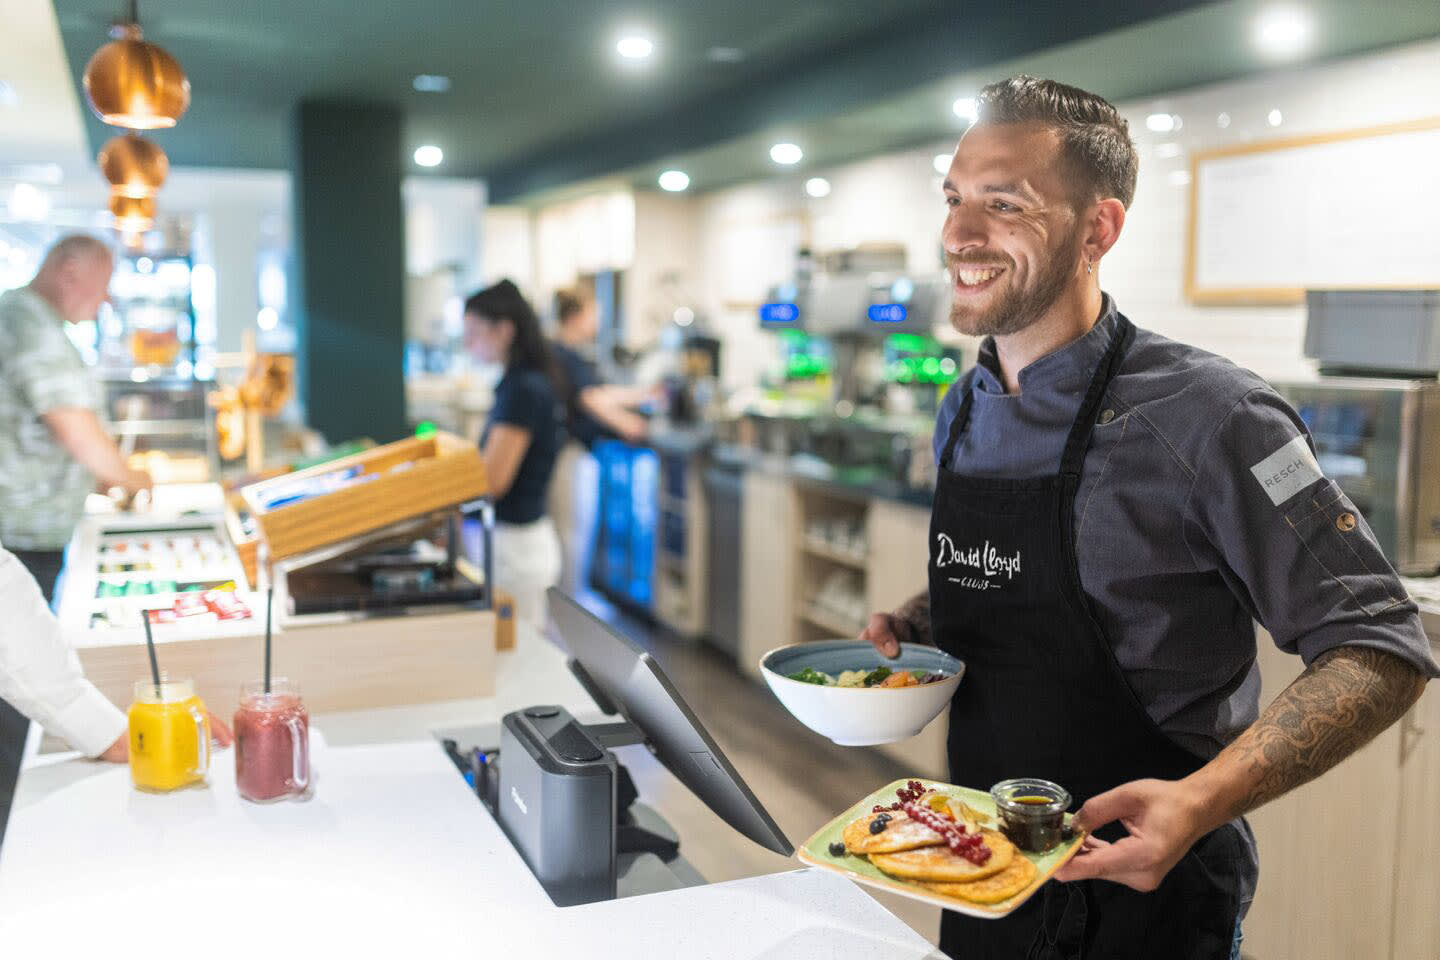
53 447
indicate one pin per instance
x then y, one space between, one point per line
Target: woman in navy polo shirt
521 439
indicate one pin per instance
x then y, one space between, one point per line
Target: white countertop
1426 594
393 853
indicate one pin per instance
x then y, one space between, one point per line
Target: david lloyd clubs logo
987 560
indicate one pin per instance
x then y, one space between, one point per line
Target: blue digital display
887 312
779 313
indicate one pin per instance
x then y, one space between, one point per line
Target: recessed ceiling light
431 83
1160 122
429 155
267 318
941 163
674 180
786 154
683 316
9 96
1167 150
634 46
1282 31
966 108
1222 121
1275 117
817 187
724 54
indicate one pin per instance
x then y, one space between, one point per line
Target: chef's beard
1015 309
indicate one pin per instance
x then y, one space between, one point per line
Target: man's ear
1105 221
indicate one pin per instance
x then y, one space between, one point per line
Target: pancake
900 834
939 864
992 889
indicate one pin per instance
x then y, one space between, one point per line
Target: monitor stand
578 816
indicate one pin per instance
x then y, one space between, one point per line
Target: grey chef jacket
1200 511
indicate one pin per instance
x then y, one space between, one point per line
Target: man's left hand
219 732
1164 818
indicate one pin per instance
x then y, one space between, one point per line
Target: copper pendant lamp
134 166
131 83
132 214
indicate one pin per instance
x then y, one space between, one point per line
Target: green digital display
916 358
805 357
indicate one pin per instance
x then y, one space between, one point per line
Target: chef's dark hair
503 301
1095 144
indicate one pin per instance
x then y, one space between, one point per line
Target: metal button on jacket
1106 415
1345 522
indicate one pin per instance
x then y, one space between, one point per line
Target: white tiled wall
895 198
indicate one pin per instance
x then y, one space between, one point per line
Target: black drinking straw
269 613
150 645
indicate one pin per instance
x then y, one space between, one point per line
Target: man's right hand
117 752
884 632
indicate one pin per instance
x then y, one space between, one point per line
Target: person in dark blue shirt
593 410
521 440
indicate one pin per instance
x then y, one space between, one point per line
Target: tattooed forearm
1339 704
915 615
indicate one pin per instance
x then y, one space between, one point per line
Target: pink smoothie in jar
272 742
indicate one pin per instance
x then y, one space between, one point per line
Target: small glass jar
1032 812
169 735
272 742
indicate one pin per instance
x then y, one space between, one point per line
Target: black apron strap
957 427
1079 440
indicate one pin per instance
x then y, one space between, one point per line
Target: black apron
1043 696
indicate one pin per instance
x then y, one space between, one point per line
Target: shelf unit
825 620
820 565
682 539
153 327
817 548
163 415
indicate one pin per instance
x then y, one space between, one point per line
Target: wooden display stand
410 478
343 660
342 665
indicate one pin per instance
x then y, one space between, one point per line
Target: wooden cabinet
782 572
899 536
1348 861
1417 867
768 589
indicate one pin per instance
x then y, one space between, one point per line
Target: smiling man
1150 503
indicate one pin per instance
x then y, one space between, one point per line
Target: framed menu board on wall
1357 209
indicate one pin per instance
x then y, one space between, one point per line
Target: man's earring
1089 266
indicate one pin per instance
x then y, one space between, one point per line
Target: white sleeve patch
1287 471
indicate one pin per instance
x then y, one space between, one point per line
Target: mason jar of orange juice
169 735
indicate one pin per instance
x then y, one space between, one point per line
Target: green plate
815 852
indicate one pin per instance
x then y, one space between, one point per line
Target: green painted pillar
349 282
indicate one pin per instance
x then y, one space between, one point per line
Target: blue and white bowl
860 716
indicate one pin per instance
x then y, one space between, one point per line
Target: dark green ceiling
1202 45
539 97
540 100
